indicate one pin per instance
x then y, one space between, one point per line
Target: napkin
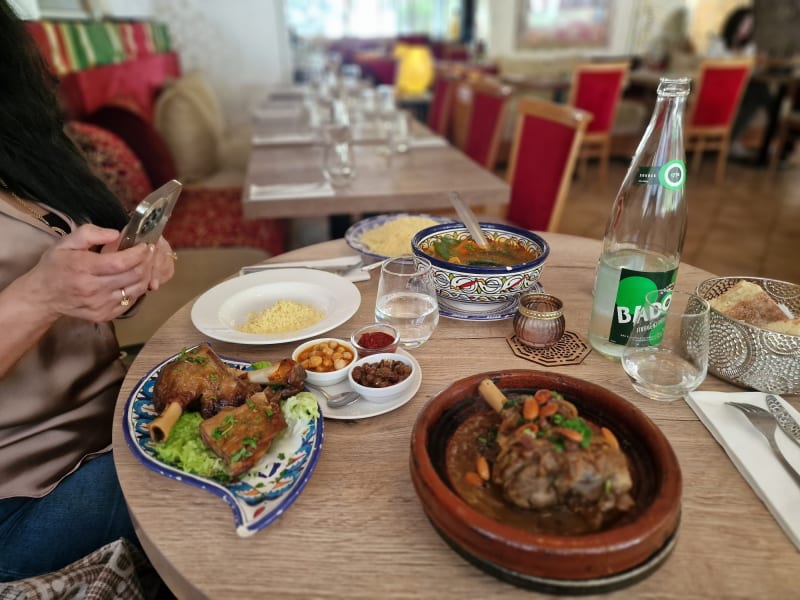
355 273
427 142
751 454
284 191
283 139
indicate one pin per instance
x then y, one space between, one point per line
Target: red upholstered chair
714 103
479 113
597 88
543 154
444 86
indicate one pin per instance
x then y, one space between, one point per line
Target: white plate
354 233
218 311
364 409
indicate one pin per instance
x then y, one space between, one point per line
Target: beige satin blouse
57 404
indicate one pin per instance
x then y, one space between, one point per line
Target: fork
766 425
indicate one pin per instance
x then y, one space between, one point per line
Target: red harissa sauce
375 339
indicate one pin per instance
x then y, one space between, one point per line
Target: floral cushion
112 161
213 217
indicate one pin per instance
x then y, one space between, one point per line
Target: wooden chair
712 110
479 116
546 143
788 126
597 88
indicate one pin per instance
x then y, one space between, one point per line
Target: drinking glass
407 299
338 155
396 131
666 355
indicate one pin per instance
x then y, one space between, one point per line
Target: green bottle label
633 287
671 175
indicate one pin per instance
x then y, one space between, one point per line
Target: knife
333 265
785 420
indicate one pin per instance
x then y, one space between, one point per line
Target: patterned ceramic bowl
748 356
481 289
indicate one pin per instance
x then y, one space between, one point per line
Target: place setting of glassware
407 300
338 154
666 355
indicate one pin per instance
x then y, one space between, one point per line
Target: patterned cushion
123 117
189 119
213 217
112 161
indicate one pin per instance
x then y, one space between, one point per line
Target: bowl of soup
470 280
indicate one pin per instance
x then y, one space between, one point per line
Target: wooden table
418 180
358 529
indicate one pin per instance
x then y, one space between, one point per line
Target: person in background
736 40
62 282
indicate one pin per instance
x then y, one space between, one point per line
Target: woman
61 283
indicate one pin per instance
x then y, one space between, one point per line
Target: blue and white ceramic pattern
261 495
481 290
503 310
354 233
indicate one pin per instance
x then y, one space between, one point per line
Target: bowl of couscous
384 236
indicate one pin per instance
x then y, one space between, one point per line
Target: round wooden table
358 529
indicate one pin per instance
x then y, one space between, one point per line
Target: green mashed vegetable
184 448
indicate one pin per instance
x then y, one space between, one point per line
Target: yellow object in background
414 69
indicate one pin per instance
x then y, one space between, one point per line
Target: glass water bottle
645 232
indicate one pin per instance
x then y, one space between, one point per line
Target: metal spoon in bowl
468 218
336 400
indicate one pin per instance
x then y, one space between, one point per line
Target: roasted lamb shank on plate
198 379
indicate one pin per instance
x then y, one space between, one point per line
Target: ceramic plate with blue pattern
263 493
353 235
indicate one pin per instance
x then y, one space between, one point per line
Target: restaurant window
372 18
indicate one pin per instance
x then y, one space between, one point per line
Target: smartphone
151 215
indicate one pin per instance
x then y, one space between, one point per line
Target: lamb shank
198 379
549 456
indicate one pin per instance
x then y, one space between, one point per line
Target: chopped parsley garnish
250 404
240 454
227 424
212 377
249 441
281 456
607 487
261 364
269 412
579 425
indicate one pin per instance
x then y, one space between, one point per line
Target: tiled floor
749 225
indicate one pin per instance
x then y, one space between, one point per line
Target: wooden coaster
570 350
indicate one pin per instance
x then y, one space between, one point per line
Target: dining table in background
417 180
358 530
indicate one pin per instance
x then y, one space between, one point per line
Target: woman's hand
71 279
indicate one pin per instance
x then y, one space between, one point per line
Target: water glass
407 299
666 355
397 131
338 155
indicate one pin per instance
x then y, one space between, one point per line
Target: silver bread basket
748 356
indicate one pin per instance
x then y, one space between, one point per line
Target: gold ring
125 300
175 256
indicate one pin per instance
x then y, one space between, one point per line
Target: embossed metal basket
748 356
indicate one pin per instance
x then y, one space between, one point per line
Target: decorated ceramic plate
462 311
226 306
264 492
353 236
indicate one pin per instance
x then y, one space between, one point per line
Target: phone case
151 215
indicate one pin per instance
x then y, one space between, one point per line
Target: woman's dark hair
37 159
730 30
